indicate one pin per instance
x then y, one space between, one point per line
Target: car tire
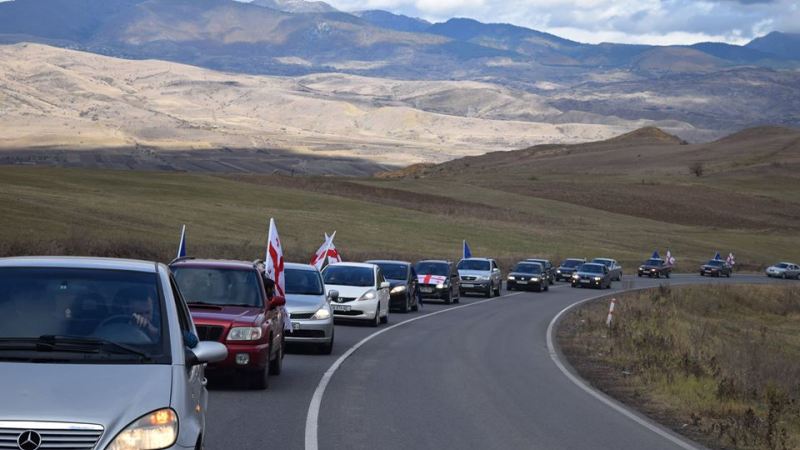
783 275
488 293
415 306
702 274
667 274
384 319
259 379
546 287
447 298
326 348
497 290
539 288
406 305
377 320
276 365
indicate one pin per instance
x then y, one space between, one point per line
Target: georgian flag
327 252
731 261
669 259
274 260
431 279
182 244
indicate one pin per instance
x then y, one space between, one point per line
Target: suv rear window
221 287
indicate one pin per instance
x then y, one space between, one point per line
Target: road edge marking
656 428
312 416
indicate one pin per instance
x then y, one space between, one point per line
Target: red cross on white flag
274 259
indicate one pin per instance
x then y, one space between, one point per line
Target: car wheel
276 365
407 304
668 274
783 275
259 379
326 348
497 290
377 320
702 274
488 293
415 306
458 298
385 319
539 288
546 287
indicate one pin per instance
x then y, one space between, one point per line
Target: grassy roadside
138 214
720 364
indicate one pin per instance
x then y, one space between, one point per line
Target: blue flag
466 252
182 245
717 257
655 255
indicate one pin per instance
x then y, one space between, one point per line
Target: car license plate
426 290
522 282
342 308
295 325
467 285
585 281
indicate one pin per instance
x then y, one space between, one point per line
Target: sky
657 22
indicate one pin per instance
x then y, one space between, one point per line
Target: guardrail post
611 312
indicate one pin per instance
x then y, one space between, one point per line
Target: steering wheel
134 331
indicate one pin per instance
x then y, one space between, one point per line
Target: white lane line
608 401
312 417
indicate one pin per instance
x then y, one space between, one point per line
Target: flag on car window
466 252
274 259
717 257
669 259
655 255
182 244
327 253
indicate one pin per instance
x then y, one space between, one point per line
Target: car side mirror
277 301
385 285
206 352
333 295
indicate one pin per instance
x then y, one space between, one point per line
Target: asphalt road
473 377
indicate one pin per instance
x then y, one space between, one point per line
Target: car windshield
571 263
528 268
605 262
394 271
303 282
540 261
221 287
591 268
432 268
654 262
782 266
348 275
81 316
716 263
473 264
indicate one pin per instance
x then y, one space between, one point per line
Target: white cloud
626 21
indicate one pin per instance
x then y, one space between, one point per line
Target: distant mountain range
294 37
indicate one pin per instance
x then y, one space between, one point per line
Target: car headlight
398 289
558 271
511 278
597 278
321 314
156 430
575 275
440 286
244 334
534 279
369 295
483 278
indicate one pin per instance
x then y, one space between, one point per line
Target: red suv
229 304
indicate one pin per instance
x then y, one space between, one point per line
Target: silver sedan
309 309
99 353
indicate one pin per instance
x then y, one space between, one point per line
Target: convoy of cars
152 332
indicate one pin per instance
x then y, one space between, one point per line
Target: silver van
98 354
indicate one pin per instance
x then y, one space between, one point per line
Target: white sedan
363 292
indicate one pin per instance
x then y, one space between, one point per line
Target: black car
655 268
528 275
567 268
592 275
548 268
438 280
716 268
402 278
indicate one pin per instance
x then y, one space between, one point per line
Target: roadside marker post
611 312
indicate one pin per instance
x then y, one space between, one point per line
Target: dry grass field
718 363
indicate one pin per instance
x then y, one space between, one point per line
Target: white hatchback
363 292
